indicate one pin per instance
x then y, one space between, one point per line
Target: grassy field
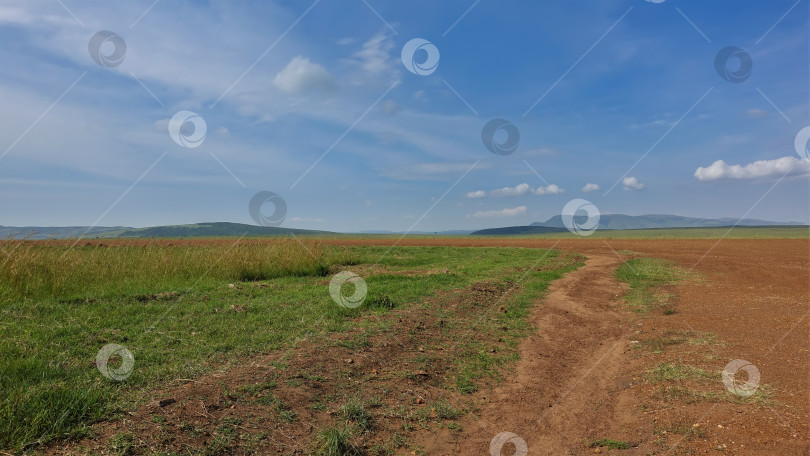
740 232
182 309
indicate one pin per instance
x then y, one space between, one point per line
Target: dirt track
753 294
551 398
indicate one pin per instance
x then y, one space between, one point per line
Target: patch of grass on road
648 278
610 443
664 372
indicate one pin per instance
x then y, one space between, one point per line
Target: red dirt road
578 380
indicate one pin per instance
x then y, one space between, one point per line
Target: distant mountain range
634 222
552 225
631 222
171 231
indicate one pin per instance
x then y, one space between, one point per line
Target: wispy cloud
756 113
430 171
513 212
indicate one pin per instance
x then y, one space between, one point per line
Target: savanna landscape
579 346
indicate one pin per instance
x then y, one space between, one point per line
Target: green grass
55 319
335 442
668 372
740 232
610 443
681 382
354 411
37 270
646 276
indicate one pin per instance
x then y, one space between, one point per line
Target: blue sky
285 85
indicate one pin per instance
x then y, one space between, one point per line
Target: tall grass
48 385
41 270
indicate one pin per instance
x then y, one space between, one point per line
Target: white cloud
375 54
550 190
520 210
374 63
301 75
518 190
345 41
631 183
589 187
762 169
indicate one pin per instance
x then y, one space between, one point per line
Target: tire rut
562 389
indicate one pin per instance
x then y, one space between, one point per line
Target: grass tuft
335 442
355 412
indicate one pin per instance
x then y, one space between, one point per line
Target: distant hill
213 230
509 230
216 229
59 232
634 222
221 229
630 222
443 233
